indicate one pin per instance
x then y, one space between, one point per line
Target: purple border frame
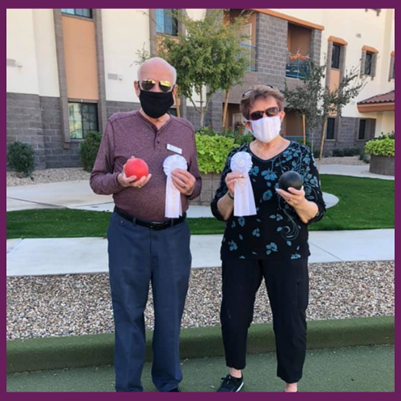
172 4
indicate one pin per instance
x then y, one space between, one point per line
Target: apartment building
68 70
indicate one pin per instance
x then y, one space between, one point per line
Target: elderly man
144 246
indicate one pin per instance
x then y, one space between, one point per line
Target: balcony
297 65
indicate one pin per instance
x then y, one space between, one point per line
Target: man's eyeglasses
270 112
148 84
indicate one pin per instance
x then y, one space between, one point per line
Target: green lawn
364 204
355 369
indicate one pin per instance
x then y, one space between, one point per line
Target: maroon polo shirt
131 134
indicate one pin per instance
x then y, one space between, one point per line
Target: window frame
391 74
174 22
334 129
371 55
365 125
336 46
75 14
83 130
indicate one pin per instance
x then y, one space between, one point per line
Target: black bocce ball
290 179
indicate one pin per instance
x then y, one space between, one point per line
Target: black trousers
287 286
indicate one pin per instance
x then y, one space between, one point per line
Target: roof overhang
375 107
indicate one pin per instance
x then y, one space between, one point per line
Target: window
368 63
80 12
362 129
166 22
82 118
330 128
237 118
246 44
335 56
392 68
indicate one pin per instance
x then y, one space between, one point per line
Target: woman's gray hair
158 60
260 91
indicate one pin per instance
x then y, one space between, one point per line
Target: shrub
89 149
239 136
20 157
390 135
364 157
209 131
381 147
316 153
345 152
301 142
213 151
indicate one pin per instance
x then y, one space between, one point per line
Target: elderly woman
272 244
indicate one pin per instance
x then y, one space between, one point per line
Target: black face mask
156 104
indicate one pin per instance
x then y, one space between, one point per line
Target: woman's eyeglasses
148 84
270 112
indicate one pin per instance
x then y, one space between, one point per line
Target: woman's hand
305 209
294 197
230 180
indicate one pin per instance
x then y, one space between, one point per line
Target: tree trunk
202 117
323 138
303 129
183 106
225 109
177 105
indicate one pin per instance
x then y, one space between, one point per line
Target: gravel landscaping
75 174
72 305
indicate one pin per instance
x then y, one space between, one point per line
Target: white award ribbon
244 201
173 195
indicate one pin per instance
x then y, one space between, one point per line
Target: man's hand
183 181
127 182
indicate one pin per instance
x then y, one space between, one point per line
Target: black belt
152 225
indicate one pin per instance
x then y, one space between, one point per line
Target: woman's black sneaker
230 384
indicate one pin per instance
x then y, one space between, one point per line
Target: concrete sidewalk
89 255
352 171
79 195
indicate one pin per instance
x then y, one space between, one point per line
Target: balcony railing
297 65
251 53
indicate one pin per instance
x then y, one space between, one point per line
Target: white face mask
266 129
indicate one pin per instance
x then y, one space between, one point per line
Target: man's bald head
157 65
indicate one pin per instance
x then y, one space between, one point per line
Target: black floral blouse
276 232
